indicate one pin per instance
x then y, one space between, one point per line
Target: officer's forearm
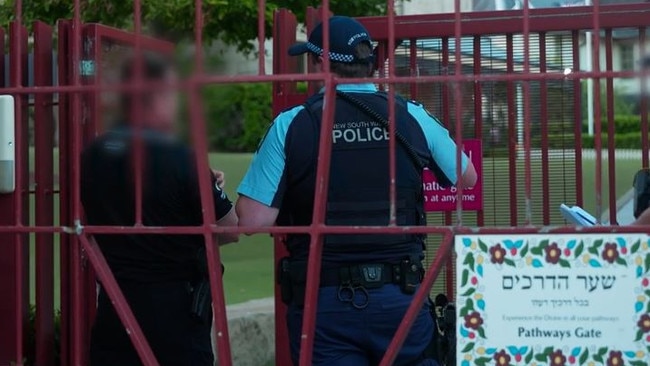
229 220
254 214
643 219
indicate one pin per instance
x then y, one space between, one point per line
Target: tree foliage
237 115
233 21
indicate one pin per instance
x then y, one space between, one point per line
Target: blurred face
163 109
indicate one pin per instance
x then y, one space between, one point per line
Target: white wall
234 62
628 86
429 6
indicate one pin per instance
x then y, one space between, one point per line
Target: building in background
406 7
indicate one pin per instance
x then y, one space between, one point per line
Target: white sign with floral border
553 300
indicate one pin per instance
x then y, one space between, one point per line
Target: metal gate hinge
77 229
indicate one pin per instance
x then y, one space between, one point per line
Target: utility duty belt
351 280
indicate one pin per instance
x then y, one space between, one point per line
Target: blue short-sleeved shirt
265 180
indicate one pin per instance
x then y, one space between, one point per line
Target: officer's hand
220 177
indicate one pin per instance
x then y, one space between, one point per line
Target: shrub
622 124
237 115
623 103
630 140
30 345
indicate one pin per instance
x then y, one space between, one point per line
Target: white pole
590 81
520 117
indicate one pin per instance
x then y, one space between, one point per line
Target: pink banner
437 198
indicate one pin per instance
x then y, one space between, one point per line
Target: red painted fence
490 76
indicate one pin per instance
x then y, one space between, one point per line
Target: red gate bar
77 334
597 115
478 106
312 285
577 121
284 94
197 127
18 41
7 264
44 198
458 104
194 230
543 111
449 271
392 172
413 63
526 97
512 129
63 48
137 122
644 102
261 36
510 21
13 312
610 128
213 79
344 230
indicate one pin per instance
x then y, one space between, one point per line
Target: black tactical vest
359 181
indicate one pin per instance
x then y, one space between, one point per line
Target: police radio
641 186
447 326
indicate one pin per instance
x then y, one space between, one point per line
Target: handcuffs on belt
348 293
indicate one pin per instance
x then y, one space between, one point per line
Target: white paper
577 216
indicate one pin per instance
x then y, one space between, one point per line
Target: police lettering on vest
362 131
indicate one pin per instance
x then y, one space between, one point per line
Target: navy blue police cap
345 34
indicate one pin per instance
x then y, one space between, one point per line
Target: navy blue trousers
359 337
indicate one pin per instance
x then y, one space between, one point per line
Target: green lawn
624 172
249 264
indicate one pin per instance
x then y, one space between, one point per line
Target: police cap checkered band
345 34
333 55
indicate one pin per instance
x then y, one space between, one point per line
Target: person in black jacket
158 274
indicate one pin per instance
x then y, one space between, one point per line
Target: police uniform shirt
170 197
288 152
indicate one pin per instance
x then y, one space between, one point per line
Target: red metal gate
40 195
455 67
438 59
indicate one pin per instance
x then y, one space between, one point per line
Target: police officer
163 277
367 281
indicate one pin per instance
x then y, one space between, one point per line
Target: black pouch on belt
410 276
370 276
201 301
284 280
298 277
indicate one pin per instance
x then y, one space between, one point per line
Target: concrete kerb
252 332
